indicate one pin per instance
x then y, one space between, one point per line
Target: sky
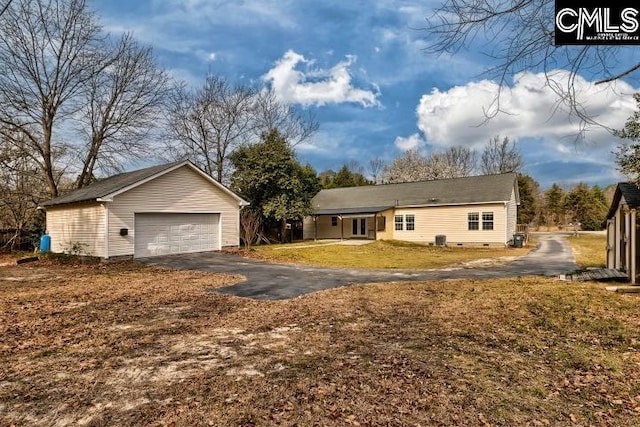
361 69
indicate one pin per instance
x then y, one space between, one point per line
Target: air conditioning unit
441 240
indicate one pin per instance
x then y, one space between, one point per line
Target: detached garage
168 209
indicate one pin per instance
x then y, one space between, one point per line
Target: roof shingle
110 185
452 191
631 194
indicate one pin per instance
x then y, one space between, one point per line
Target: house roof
452 191
631 194
105 189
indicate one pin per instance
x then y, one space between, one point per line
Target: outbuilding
622 230
168 209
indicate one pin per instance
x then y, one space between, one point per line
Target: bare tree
463 158
523 31
270 113
121 105
48 53
20 190
5 7
211 122
500 156
376 168
250 222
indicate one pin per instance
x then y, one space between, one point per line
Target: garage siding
81 223
179 191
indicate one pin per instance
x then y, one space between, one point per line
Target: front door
359 227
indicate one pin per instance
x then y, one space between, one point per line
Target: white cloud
528 109
317 86
409 143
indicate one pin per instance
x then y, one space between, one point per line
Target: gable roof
631 194
105 189
441 192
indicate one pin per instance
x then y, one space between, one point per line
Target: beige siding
181 190
81 223
325 229
451 221
512 217
387 234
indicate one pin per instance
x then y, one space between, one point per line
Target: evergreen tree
268 175
528 209
345 177
554 205
586 206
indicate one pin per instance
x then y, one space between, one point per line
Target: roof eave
435 205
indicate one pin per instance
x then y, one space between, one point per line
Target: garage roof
105 189
452 191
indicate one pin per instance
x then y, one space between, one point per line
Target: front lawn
383 254
589 250
130 345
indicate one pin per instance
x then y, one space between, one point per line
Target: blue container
45 243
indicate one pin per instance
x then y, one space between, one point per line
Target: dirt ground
122 344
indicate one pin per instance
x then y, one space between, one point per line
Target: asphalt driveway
280 281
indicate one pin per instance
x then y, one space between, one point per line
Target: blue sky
360 68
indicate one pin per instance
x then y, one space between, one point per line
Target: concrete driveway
280 281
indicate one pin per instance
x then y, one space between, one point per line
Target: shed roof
631 194
111 186
452 191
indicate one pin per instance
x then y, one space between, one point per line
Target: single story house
167 209
622 230
474 211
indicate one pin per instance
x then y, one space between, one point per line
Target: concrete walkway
279 281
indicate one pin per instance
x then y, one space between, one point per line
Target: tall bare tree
121 105
59 73
4 8
463 158
375 167
293 125
48 53
211 122
500 156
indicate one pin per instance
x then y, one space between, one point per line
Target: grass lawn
130 345
382 254
589 250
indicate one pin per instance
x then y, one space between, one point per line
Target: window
399 222
411 222
473 219
334 221
487 220
382 223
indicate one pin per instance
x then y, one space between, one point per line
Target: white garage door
175 233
